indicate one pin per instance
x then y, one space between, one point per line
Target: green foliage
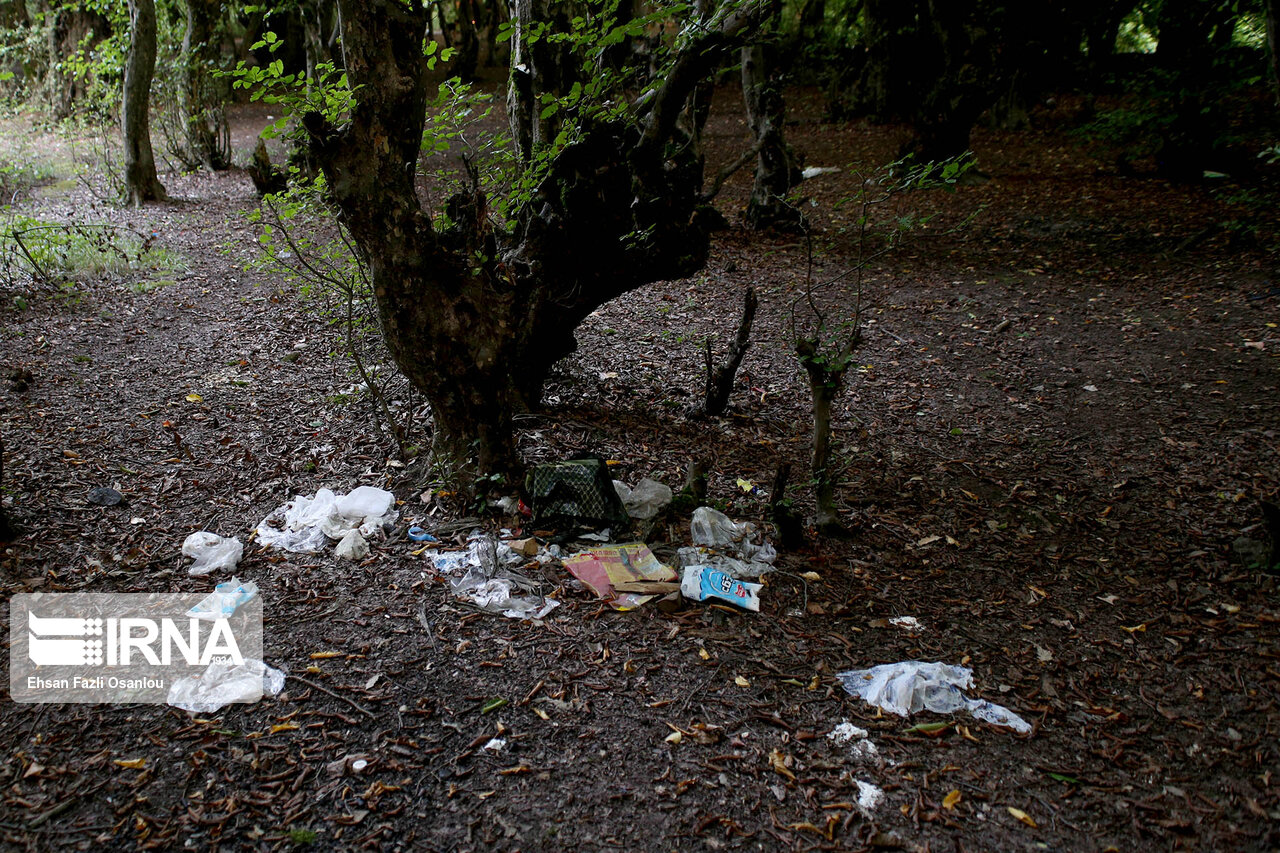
34 251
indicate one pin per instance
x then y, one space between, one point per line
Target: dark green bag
577 491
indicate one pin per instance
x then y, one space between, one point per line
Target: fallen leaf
704 654
928 540
1023 816
811 576
132 764
950 800
675 737
778 762
194 398
284 727
325 655
740 681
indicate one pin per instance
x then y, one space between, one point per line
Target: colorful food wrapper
704 582
602 569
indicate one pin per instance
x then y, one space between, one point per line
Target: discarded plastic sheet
224 601
701 583
223 683
815 171
696 555
352 547
211 552
859 740
602 569
714 529
869 796
910 686
577 491
498 594
646 500
306 524
907 623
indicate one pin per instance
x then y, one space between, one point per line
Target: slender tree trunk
141 181
1273 45
823 392
777 169
204 122
468 57
6 528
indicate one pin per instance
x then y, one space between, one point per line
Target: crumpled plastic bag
646 500
910 686
224 683
306 524
224 601
211 552
713 529
499 594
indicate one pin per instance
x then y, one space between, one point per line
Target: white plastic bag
211 552
306 524
910 686
352 547
646 500
224 683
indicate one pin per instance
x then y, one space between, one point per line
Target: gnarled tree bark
615 210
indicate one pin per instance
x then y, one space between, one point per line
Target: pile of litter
306 525
483 575
224 683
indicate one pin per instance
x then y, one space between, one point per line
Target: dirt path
1061 423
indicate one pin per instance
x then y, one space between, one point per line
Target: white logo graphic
60 641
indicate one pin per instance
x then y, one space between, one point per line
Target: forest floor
1062 421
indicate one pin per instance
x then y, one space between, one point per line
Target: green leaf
493 705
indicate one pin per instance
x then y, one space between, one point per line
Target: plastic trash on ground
352 547
223 683
224 601
713 529
577 491
910 686
646 500
625 576
306 524
701 583
211 552
698 556
499 595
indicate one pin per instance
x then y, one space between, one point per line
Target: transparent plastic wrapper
646 500
352 547
701 583
713 529
499 594
223 683
211 553
699 556
224 601
307 524
910 686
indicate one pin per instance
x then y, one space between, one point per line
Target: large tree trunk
777 168
612 213
141 182
888 83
